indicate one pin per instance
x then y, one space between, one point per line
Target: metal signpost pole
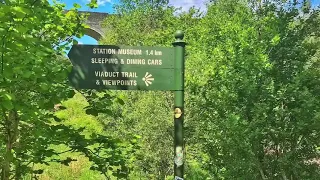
179 46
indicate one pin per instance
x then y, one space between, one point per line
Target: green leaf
120 101
76 5
8 105
75 42
275 40
20 11
92 111
70 93
27 74
57 119
8 96
93 4
44 86
107 111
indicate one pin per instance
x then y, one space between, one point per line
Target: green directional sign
122 67
136 68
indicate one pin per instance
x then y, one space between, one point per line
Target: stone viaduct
95 20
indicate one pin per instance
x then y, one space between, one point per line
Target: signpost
135 68
122 67
179 46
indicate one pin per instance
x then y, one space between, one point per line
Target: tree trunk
11 131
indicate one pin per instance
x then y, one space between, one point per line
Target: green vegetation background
252 94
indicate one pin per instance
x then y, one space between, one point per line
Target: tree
33 78
254 91
252 100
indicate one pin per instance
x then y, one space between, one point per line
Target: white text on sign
115 74
125 51
126 61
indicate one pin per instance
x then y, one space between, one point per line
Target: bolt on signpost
116 67
179 46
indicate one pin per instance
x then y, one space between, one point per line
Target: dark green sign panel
122 67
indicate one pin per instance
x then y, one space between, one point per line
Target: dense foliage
252 93
33 79
252 80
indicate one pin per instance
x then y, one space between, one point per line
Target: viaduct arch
95 20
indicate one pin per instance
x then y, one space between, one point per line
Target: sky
107 7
